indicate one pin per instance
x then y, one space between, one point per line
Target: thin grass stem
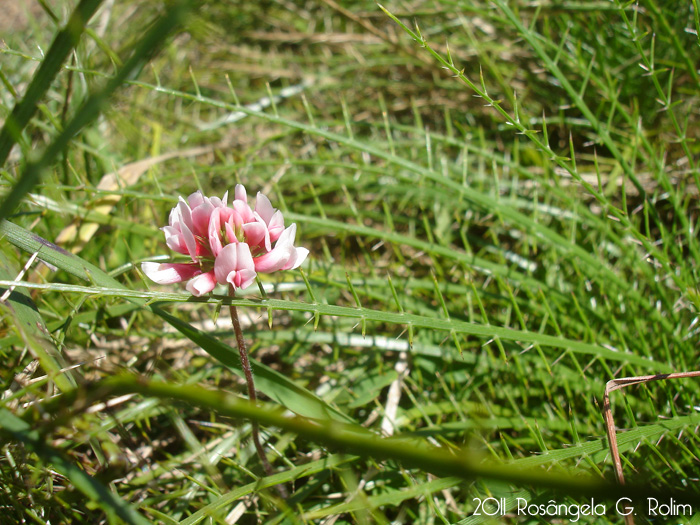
250 383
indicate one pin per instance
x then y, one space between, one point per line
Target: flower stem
252 396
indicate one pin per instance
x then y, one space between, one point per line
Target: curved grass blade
270 383
267 380
65 42
558 241
113 506
597 451
302 471
32 330
146 48
597 267
357 440
393 498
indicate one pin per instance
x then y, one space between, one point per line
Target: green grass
501 204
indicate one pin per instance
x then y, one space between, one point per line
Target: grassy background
500 200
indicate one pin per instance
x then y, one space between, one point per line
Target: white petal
169 273
240 193
301 254
264 208
196 199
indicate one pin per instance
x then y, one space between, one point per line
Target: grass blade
20 430
358 440
271 383
146 48
65 42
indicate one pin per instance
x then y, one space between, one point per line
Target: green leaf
31 329
270 382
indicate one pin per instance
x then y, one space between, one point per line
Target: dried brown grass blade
78 232
617 384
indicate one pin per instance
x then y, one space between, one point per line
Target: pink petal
284 256
243 210
236 219
196 199
175 240
263 207
242 278
174 217
190 241
170 273
214 227
233 258
185 213
202 284
288 235
230 232
218 217
200 218
276 226
240 193
272 261
181 220
256 234
280 254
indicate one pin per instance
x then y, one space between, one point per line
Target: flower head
226 244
